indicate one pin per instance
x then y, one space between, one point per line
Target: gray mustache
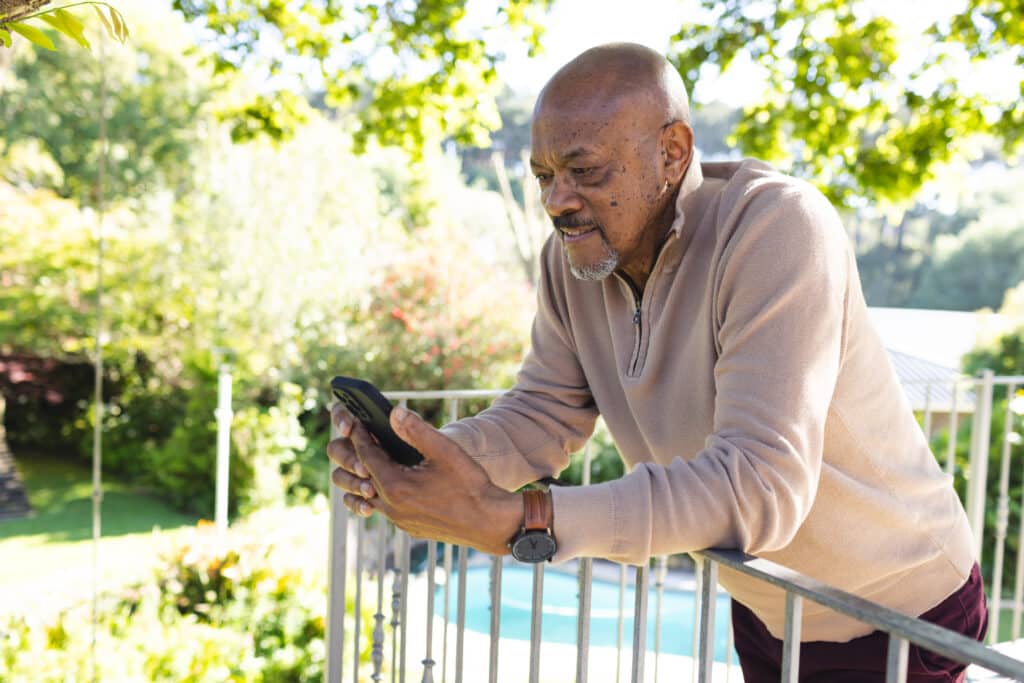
571 221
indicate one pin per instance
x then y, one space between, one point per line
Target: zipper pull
636 317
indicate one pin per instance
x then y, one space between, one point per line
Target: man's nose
561 198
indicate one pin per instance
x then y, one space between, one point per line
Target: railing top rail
493 393
919 632
963 379
444 393
996 380
940 381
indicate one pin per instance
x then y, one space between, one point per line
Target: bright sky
572 26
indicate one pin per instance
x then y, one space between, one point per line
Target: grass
50 554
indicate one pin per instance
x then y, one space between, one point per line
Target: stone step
13 501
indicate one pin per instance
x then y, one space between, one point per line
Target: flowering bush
224 608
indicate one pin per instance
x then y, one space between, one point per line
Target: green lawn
50 555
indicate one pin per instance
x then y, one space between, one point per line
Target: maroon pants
864 658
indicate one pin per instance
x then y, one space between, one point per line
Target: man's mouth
576 234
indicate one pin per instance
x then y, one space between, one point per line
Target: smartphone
369 405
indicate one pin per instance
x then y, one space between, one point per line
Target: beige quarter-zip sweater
752 401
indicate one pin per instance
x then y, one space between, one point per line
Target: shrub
605 463
265 443
232 608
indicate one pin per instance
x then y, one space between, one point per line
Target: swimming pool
561 600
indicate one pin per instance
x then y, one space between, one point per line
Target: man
712 313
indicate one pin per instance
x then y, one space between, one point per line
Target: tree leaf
120 30
124 26
75 26
103 18
68 24
5 37
32 34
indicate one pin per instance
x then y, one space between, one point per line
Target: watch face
534 546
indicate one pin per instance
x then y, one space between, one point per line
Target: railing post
585 579
536 616
953 419
695 640
896 661
791 638
1018 584
334 636
447 605
1002 519
460 619
428 661
926 425
358 618
224 415
399 607
492 669
377 646
708 593
620 626
659 587
404 567
980 430
640 622
583 620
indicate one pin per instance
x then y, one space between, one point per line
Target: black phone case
364 401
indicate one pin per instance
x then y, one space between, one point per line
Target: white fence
373 550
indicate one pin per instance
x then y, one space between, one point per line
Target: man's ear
677 143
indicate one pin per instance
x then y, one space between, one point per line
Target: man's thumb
418 433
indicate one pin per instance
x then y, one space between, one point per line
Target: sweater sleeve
780 286
530 431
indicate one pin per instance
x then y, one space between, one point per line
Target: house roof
930 386
942 337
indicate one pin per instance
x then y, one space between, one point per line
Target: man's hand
447 497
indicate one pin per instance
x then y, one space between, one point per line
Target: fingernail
366 488
365 510
361 469
401 414
344 426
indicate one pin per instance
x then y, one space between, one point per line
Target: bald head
611 74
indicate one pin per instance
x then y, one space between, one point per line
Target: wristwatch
534 542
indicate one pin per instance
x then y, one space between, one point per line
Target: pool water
561 600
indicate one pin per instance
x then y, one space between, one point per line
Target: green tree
959 249
836 108
972 270
414 73
153 109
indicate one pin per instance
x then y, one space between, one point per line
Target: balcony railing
370 556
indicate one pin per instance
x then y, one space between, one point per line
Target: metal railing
373 549
979 410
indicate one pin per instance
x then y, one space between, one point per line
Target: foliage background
292 260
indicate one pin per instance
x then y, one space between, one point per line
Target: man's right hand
352 476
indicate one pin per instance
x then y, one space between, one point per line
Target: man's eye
542 177
583 170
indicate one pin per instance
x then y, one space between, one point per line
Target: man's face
600 174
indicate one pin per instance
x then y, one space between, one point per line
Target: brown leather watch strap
536 510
